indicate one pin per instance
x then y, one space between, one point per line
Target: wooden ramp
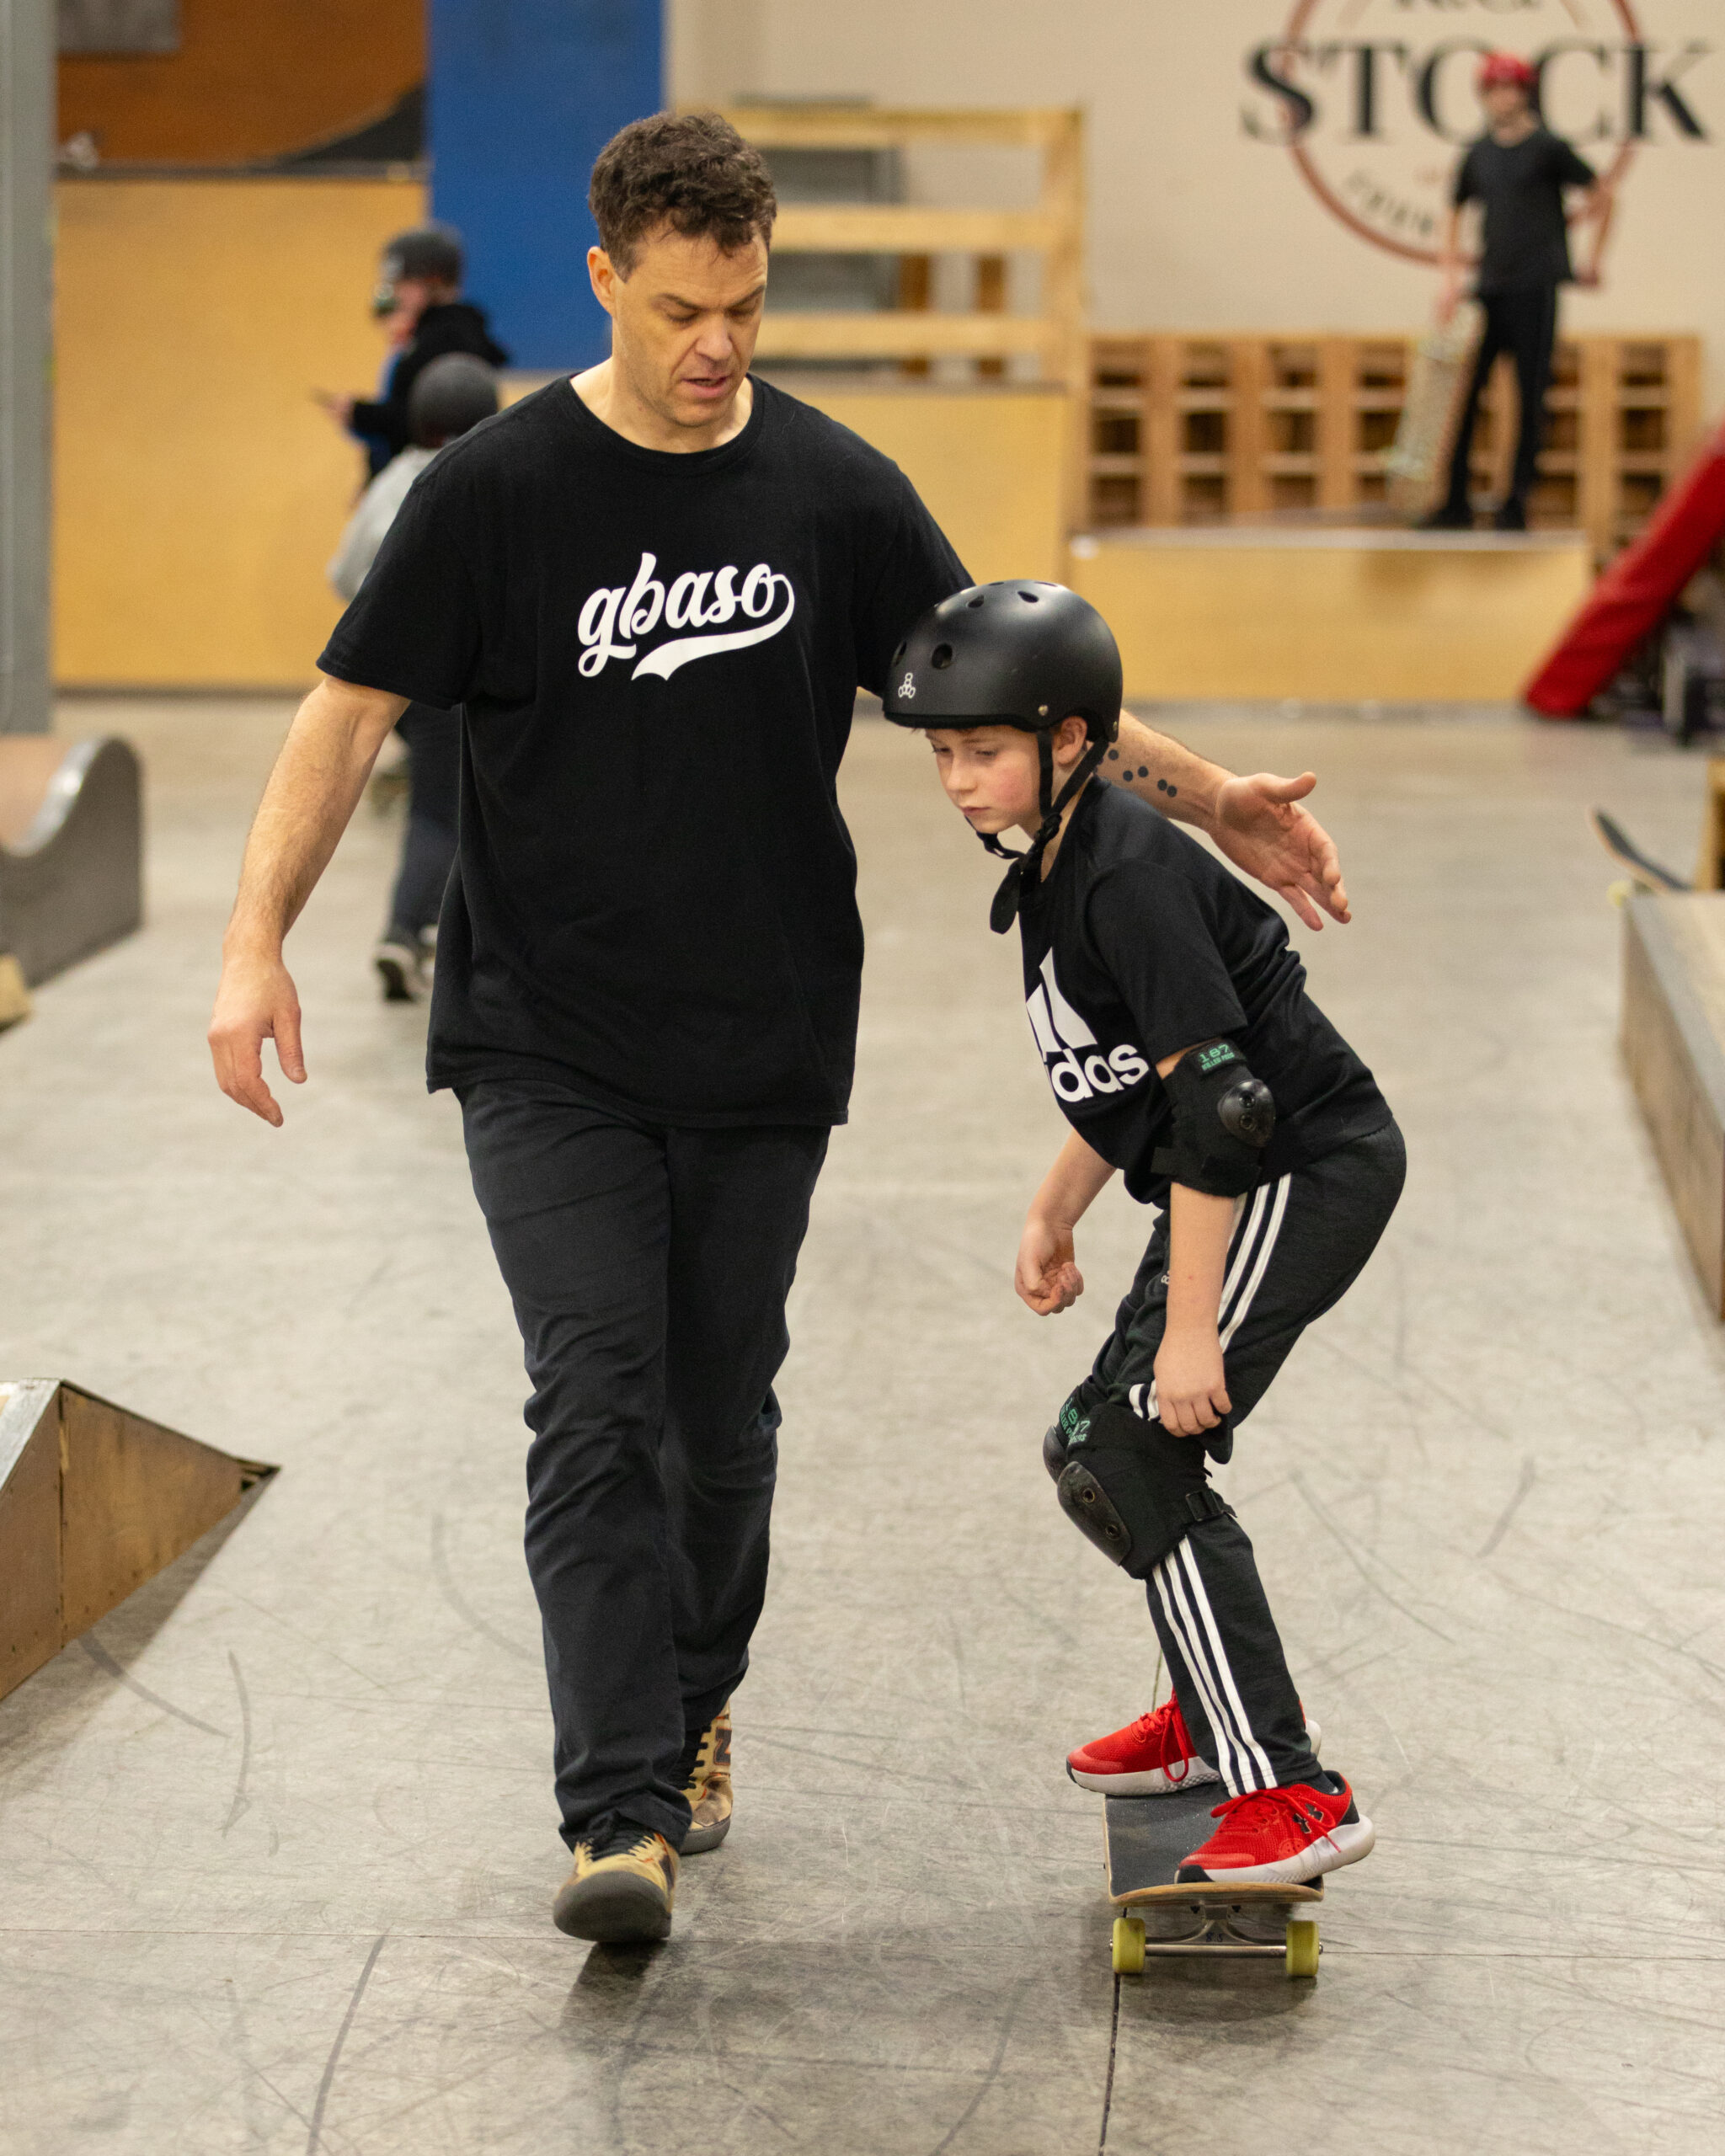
1673 1047
93 1502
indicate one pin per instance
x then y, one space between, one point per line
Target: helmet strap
1027 867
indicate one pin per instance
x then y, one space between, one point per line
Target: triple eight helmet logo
1079 1067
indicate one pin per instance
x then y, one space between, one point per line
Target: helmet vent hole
1034 597
975 602
942 655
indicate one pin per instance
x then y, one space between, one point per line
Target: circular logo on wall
1373 100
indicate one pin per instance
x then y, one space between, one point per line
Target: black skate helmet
1018 654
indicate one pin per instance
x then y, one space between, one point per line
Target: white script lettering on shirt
612 621
1063 1036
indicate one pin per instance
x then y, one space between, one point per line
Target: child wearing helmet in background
1517 171
449 397
1181 1046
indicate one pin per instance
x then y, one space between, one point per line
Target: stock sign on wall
1372 99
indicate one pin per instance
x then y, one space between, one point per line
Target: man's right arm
313 791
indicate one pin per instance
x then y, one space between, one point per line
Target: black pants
434 742
1298 1244
649 1268
1522 321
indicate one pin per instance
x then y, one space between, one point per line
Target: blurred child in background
419 299
449 396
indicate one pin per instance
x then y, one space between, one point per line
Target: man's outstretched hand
1261 827
256 1001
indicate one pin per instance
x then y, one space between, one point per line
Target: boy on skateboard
1182 1046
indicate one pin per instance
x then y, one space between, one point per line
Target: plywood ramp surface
1673 1049
93 1502
1329 615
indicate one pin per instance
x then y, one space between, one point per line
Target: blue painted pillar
524 94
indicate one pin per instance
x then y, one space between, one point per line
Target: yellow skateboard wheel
1129 1946
1302 1946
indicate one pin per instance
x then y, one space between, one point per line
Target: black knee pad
1129 1486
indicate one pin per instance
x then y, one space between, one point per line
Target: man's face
684 320
1504 102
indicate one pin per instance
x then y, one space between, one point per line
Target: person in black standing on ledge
419 291
1517 171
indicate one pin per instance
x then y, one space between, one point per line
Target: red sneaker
1151 1757
1281 1838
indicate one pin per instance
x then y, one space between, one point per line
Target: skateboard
1144 1839
1418 464
1644 874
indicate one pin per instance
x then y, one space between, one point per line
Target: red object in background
1637 591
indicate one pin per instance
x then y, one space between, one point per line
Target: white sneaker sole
1342 1845
1153 1782
398 970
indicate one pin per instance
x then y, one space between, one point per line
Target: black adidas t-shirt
657 655
1141 943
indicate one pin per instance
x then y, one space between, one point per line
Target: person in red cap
1517 171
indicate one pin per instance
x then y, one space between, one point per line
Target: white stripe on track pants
1298 1243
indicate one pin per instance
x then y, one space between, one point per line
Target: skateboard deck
1418 464
1645 874
1145 1839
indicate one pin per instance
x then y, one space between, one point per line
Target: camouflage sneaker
622 1888
708 1788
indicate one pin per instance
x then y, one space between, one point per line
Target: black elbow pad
1223 1119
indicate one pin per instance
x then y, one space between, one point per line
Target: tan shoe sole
611 1907
707 1836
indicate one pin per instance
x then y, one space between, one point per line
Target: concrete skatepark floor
277 1840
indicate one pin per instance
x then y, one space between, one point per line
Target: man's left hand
1261 827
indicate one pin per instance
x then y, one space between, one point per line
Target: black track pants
649 1268
1298 1243
1524 322
427 845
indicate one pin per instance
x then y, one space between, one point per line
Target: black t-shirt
657 656
1520 187
1141 943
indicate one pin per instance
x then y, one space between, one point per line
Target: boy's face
991 775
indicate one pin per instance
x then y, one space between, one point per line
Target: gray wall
26 152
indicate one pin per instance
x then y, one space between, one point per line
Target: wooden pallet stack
1197 430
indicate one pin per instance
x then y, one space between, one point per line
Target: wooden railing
914 332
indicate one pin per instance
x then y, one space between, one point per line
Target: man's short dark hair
690 170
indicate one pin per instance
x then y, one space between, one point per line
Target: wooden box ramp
1673 1047
93 1502
71 852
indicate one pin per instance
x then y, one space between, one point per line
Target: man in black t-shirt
652 590
1517 171
1181 1046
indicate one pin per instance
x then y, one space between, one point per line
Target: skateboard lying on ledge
1144 1840
1645 874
